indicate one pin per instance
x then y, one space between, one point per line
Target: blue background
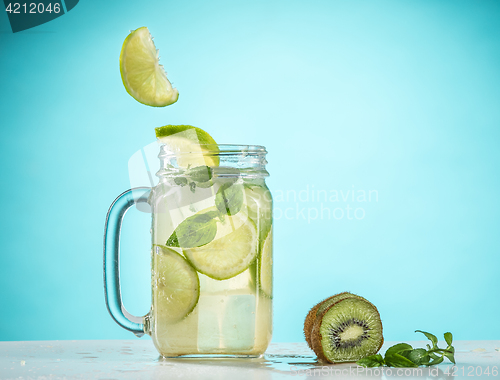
400 97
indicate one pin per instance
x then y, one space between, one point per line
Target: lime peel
266 265
196 147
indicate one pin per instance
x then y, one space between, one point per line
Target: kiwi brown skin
316 343
309 322
312 315
316 337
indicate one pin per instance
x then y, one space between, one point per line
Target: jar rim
219 149
250 160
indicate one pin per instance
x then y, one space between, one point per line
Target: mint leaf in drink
192 187
200 173
205 185
172 241
250 185
229 198
180 181
195 231
212 214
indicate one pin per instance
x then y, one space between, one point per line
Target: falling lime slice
266 265
233 249
142 75
194 146
177 286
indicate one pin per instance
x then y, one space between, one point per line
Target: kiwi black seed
318 309
346 331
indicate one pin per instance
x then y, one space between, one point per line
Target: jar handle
112 230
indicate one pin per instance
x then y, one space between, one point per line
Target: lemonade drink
211 265
212 256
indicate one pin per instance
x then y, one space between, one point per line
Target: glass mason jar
211 256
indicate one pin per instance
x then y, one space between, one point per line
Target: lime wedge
197 146
233 249
142 75
266 265
176 285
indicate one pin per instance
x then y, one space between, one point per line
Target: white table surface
138 359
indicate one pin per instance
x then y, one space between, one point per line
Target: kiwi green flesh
318 309
330 301
311 317
349 330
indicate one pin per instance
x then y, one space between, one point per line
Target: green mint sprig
404 355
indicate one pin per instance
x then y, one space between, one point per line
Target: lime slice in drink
233 249
177 286
197 146
258 205
266 265
142 75
258 202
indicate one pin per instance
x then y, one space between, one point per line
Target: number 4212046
471 371
33 8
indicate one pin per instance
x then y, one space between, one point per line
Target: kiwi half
346 331
318 309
